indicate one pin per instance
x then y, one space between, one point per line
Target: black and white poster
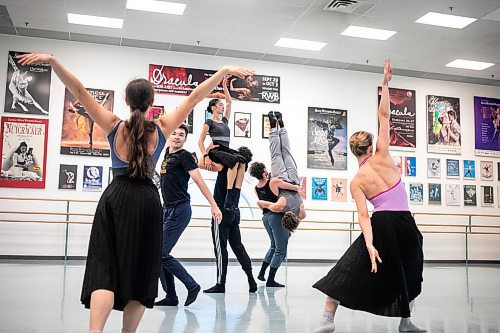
434 194
487 196
92 178
327 138
433 167
470 195
453 194
67 176
28 87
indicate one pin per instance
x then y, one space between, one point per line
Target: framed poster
444 133
339 189
416 193
23 148
319 188
398 161
434 194
265 126
434 168
470 198
28 87
487 126
403 118
156 112
67 176
487 196
469 169
327 139
92 178
410 166
80 134
303 188
242 124
452 169
486 170
452 195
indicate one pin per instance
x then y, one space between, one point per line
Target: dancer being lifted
381 272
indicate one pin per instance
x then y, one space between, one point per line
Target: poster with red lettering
23 147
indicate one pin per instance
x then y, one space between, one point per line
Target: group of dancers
133 234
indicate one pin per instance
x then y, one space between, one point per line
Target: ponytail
139 164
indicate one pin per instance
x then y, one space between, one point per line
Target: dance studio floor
44 297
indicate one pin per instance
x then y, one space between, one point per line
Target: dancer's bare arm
196 176
275 207
276 184
384 112
227 96
105 119
205 162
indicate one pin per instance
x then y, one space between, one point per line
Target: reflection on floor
44 297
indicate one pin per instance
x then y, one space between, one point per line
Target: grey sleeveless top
293 201
219 132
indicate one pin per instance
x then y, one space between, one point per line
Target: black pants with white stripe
229 230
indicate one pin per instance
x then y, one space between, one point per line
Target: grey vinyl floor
44 297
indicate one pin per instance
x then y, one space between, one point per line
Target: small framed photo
265 126
452 169
242 125
416 193
486 170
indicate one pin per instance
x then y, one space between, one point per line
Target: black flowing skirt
226 156
125 243
398 280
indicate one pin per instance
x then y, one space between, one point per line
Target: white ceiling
250 28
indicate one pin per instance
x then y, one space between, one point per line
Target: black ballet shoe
168 301
279 118
252 285
274 284
217 289
192 295
272 119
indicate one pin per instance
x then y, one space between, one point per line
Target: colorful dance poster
416 193
486 170
80 134
23 148
28 87
410 166
434 194
339 189
242 125
182 81
452 168
443 125
452 195
434 168
327 139
470 198
156 112
67 176
92 178
319 188
487 126
469 169
303 188
403 118
487 196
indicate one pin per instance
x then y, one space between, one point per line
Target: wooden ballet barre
44 213
46 221
43 199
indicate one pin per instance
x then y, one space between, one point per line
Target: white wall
111 67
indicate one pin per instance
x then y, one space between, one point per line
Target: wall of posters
487 196
452 168
469 169
410 166
443 125
434 194
28 87
319 188
470 198
242 125
434 168
80 134
487 126
416 193
486 170
403 118
303 188
452 194
265 126
67 176
339 189
327 139
23 148
92 178
181 81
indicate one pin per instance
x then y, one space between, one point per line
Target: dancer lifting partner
123 261
178 166
381 272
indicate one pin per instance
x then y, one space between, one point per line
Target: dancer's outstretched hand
216 214
373 257
240 72
387 71
34 58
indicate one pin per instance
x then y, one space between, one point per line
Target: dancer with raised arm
123 262
381 272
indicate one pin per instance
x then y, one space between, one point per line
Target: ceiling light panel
369 33
445 20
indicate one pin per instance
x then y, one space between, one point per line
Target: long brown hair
139 95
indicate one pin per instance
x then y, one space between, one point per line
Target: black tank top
265 193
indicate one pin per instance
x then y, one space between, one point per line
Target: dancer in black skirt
123 262
381 272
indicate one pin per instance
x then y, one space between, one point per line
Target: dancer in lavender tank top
381 272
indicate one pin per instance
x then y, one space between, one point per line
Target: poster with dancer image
410 166
23 148
242 125
327 138
470 198
28 87
339 189
434 194
266 126
182 81
303 188
434 168
452 169
486 170
487 196
416 193
156 112
92 178
80 134
319 188
452 195
403 118
487 126
443 125
469 169
67 176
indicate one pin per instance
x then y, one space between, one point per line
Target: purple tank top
394 199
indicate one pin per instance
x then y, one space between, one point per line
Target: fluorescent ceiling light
370 33
163 7
98 21
445 20
300 44
469 64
